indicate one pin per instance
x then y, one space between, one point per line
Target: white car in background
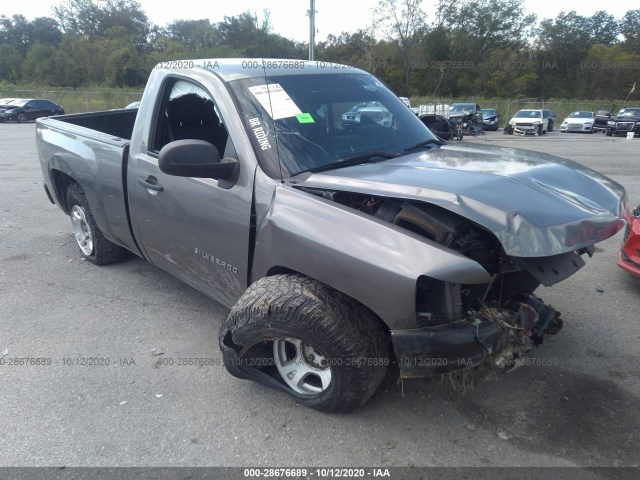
580 121
368 112
528 122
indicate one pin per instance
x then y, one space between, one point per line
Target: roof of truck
239 68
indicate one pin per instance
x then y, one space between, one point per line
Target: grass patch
76 101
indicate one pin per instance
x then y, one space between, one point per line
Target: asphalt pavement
104 383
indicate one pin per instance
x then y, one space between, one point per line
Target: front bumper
490 125
622 128
494 336
526 129
576 127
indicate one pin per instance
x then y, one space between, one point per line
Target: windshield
17 103
305 122
488 112
581 115
462 107
629 112
528 114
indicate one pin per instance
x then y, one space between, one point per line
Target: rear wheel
301 336
92 243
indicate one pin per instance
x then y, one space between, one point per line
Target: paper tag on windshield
275 101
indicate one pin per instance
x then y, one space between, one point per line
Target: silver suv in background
527 122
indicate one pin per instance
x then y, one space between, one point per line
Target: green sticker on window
305 118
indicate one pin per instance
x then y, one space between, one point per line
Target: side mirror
199 159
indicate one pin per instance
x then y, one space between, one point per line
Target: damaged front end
467 325
464 325
497 336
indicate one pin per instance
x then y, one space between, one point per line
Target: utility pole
312 29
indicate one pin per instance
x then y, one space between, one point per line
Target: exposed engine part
437 302
492 336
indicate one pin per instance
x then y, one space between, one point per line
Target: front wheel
298 335
22 118
94 247
608 133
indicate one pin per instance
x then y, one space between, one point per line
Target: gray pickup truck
342 249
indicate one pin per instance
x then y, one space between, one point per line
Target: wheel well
61 182
277 270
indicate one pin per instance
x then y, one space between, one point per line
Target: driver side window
187 111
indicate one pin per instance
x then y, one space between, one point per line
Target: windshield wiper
424 144
353 160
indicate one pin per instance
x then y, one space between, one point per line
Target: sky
289 17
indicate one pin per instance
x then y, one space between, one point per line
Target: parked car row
540 121
25 109
532 121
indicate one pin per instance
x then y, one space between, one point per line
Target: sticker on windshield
260 134
275 100
305 118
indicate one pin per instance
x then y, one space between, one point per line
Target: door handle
151 183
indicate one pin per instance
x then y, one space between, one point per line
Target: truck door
193 228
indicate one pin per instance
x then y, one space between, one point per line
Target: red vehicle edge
629 254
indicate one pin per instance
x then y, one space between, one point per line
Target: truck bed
118 123
93 149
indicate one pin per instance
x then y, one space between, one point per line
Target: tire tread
322 313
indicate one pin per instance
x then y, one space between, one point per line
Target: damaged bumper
495 336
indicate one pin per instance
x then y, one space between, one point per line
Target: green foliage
466 49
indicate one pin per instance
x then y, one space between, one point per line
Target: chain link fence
75 101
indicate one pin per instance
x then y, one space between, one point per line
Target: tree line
484 48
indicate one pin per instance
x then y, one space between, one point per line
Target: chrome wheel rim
81 230
301 366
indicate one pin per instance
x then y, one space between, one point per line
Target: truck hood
536 204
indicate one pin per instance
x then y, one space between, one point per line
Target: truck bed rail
118 123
